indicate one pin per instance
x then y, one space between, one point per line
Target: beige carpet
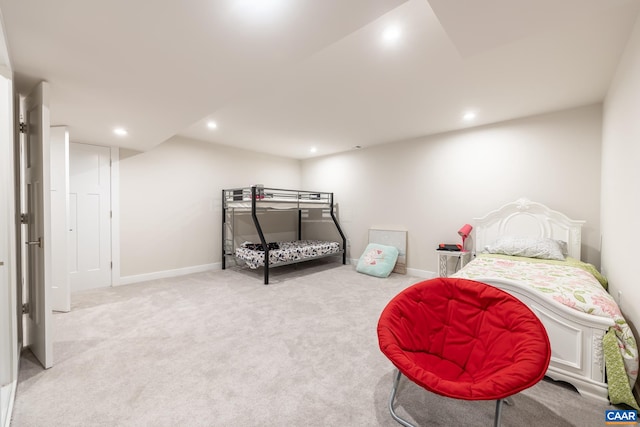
222 349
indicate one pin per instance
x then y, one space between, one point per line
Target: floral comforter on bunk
577 285
286 252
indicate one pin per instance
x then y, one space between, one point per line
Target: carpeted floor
222 349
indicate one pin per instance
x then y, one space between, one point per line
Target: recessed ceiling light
469 116
313 149
120 131
212 125
391 34
260 10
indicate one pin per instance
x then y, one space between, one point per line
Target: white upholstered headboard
524 218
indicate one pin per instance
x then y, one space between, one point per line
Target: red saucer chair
463 339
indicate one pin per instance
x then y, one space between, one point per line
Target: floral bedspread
575 287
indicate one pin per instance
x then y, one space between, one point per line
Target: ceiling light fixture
313 149
120 131
469 116
212 125
260 11
391 34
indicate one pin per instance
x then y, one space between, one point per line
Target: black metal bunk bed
259 199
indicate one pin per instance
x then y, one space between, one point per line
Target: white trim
425 274
9 353
115 216
127 280
59 160
8 398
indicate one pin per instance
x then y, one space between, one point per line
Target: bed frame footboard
577 355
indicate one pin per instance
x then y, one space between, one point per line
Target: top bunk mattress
286 252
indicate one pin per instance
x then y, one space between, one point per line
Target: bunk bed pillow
377 260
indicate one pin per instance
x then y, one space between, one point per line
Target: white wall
620 178
432 186
170 201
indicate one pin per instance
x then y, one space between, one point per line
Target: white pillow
563 247
526 247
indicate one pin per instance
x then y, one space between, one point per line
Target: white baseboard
127 280
424 274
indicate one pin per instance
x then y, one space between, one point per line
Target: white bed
576 337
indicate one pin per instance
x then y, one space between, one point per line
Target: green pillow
377 260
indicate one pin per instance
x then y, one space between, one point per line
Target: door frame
10 345
115 215
59 158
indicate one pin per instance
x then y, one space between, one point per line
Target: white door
59 153
89 216
38 255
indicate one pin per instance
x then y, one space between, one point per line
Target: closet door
89 216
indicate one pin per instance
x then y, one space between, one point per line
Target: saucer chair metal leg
395 416
405 423
496 421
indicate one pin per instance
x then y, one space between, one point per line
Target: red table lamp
464 233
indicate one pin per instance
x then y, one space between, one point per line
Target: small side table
462 258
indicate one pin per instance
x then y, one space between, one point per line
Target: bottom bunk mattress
285 252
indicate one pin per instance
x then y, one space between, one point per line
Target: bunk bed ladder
224 230
254 216
228 223
344 239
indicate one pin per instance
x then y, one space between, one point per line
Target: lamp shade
465 231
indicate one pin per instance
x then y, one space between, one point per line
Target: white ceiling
282 76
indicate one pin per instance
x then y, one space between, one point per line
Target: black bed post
344 239
224 217
299 224
260 233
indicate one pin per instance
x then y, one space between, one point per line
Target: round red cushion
464 339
